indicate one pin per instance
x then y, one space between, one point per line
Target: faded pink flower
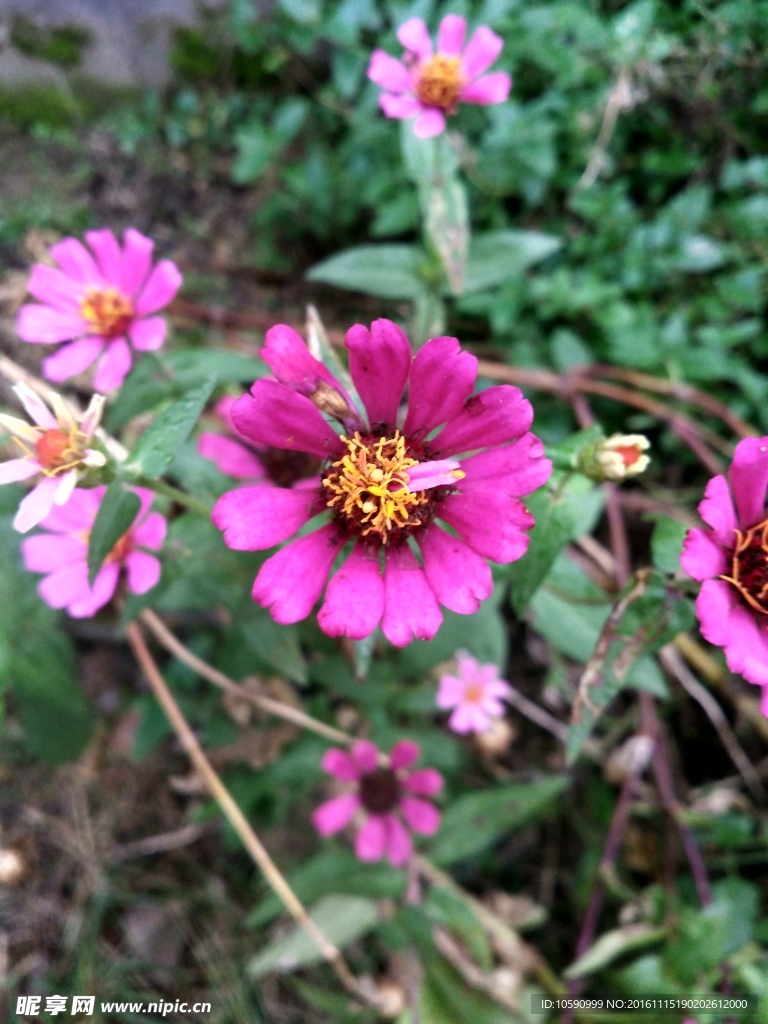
475 693
98 305
55 448
63 554
386 799
385 485
428 85
731 558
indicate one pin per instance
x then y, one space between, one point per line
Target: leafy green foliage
117 511
156 448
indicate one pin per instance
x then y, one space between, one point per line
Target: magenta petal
336 814
254 518
468 718
108 255
459 578
450 35
400 107
399 843
425 782
75 260
148 335
517 468
489 89
230 456
404 754
72 359
422 816
450 692
748 477
442 379
414 36
67 584
150 533
482 50
143 571
137 260
717 511
34 508
746 650
290 582
714 605
371 839
43 325
491 417
366 756
702 558
88 602
287 356
54 288
389 72
113 366
46 553
379 362
275 415
410 607
78 514
429 124
18 469
491 522
341 765
354 600
160 289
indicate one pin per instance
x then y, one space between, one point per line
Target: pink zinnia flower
731 558
56 448
385 485
475 694
63 554
428 85
97 304
381 798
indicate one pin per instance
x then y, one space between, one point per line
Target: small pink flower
98 304
63 554
428 85
731 559
475 694
56 448
386 483
386 799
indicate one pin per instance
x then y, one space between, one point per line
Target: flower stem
179 496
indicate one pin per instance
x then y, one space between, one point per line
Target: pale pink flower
428 84
385 484
98 301
384 800
55 448
731 559
63 554
475 693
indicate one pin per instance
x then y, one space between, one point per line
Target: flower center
473 693
380 791
121 549
749 568
57 451
629 454
439 81
368 487
107 310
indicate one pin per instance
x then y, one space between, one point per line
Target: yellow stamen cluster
439 81
368 486
749 567
107 310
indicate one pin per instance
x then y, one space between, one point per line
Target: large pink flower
475 693
428 85
385 798
98 301
62 554
385 486
731 558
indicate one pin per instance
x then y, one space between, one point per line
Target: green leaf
447 908
611 946
342 919
117 511
497 256
156 448
447 999
667 543
476 820
386 271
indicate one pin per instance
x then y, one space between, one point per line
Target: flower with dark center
454 458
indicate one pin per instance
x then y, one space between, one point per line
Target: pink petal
17 469
389 72
46 552
231 457
410 608
366 756
399 844
78 514
422 816
275 415
429 124
336 814
143 571
438 473
459 578
404 754
254 518
113 366
290 582
450 692
450 36
43 325
371 840
517 468
160 289
288 357
493 416
137 260
489 89
400 107
442 379
150 533
90 600
54 288
65 585
72 359
36 408
379 362
716 602
718 512
491 522
701 557
748 477
75 260
354 600
413 36
108 255
482 50
148 335
746 650
37 505
425 782
146 498
468 718
341 765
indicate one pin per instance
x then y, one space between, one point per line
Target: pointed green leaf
157 446
117 511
